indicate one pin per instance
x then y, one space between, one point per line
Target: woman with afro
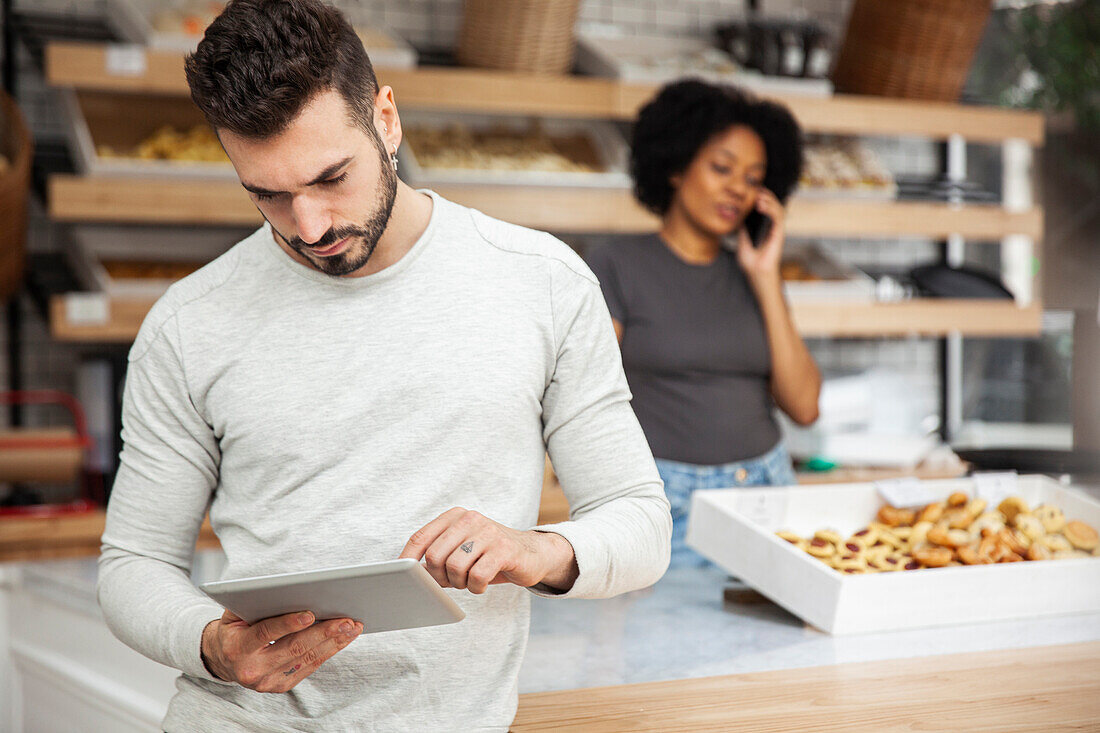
707 338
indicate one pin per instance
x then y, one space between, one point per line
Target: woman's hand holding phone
760 261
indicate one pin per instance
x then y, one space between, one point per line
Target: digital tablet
383 596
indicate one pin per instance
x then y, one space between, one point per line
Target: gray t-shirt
694 348
323 420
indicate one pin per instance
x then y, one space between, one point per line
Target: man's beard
356 255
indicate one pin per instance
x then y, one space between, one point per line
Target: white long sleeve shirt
323 420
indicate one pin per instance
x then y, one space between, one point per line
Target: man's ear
385 111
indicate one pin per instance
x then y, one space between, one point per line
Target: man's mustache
329 238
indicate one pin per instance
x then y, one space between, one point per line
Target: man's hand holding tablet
275 654
462 548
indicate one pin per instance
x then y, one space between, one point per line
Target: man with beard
376 372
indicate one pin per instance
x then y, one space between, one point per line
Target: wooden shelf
920 317
85 66
182 201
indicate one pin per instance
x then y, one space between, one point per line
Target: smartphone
758 227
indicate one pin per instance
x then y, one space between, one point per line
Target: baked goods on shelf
845 166
198 144
500 148
959 531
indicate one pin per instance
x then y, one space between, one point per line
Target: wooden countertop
1037 689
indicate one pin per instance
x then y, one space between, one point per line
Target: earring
393 158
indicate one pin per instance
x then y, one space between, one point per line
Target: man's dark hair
261 61
685 116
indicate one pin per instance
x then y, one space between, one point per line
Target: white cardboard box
735 528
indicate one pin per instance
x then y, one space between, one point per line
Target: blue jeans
682 479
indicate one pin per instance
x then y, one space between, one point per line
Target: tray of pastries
843 559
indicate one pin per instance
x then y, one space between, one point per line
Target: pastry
945 537
989 549
970 556
854 545
938 535
894 562
933 557
1081 535
1012 506
789 537
976 506
958 518
930 513
959 498
878 552
891 539
993 521
892 516
903 533
829 536
919 533
1051 516
1029 525
1039 551
869 535
857 563
1014 540
1056 543
820 548
958 538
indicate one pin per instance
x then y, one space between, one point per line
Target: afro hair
685 116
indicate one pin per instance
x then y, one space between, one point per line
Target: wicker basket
16 145
916 49
535 36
